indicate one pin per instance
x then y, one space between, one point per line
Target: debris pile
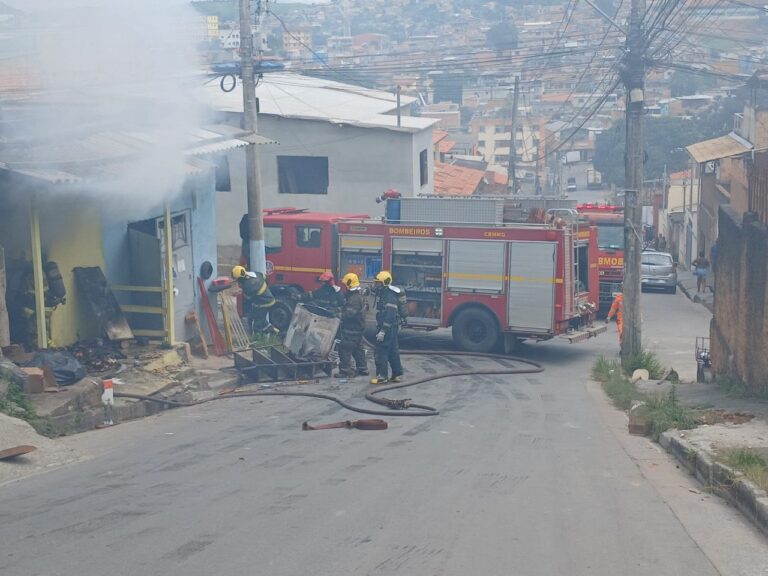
98 356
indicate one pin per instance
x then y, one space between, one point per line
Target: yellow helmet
384 277
238 272
351 281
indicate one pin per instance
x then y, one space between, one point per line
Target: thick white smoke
116 66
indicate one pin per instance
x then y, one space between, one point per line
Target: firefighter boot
379 380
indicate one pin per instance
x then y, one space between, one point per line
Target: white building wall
363 163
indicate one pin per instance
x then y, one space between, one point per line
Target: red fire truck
492 282
609 221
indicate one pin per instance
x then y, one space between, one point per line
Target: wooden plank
139 309
149 333
193 319
16 451
96 291
126 288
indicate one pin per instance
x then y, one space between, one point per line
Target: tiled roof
557 98
682 175
452 180
446 146
438 135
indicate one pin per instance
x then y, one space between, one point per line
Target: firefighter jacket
353 313
256 293
327 296
387 308
617 308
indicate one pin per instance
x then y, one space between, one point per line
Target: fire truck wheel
280 315
475 330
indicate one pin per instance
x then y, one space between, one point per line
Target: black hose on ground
397 407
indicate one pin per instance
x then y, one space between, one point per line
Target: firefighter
617 309
387 353
328 295
257 299
352 328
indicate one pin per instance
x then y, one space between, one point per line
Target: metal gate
531 286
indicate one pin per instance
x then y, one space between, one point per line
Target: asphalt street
524 475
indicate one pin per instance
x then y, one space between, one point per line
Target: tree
502 36
685 83
665 142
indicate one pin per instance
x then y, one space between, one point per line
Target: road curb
720 479
684 290
693 297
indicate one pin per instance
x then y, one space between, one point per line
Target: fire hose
402 407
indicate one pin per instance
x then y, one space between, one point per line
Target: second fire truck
461 265
609 220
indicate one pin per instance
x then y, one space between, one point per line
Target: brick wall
739 330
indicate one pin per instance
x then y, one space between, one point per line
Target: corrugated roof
716 148
303 97
100 154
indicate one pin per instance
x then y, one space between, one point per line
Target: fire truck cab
491 282
609 220
301 245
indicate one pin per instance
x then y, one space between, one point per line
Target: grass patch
662 411
604 368
665 412
751 463
621 391
646 360
731 385
16 403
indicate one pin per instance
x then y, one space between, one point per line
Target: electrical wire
588 66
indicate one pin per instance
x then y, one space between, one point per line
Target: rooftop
716 148
452 180
304 97
100 155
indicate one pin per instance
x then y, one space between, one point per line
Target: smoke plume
126 69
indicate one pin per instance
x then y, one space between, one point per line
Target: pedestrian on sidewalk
662 243
700 270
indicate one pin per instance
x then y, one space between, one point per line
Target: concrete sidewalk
727 420
686 281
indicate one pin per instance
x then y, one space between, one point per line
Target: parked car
658 271
571 184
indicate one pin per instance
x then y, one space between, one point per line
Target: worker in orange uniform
617 309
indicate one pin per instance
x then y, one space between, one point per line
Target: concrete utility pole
512 163
634 81
256 247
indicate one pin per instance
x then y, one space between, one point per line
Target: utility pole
634 82
511 165
256 246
